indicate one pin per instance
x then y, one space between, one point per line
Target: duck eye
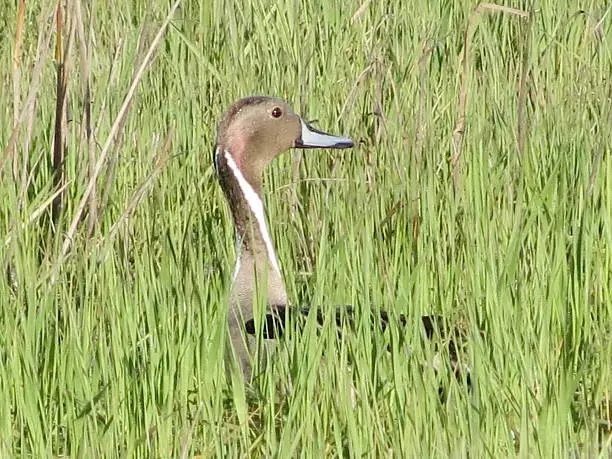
277 112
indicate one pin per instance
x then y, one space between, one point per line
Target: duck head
255 130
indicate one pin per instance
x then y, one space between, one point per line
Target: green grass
115 350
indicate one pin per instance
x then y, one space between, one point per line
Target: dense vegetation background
480 189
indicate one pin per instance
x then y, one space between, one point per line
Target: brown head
255 130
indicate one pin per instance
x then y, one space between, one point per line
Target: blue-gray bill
313 138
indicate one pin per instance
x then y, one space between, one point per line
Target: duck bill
313 138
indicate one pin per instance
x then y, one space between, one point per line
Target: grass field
480 189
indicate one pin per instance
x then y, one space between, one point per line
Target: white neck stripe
256 205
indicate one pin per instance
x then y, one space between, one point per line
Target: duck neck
254 248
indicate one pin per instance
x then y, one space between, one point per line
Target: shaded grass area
113 332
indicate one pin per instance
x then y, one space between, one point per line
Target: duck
251 134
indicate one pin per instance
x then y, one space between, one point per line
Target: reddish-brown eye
277 112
